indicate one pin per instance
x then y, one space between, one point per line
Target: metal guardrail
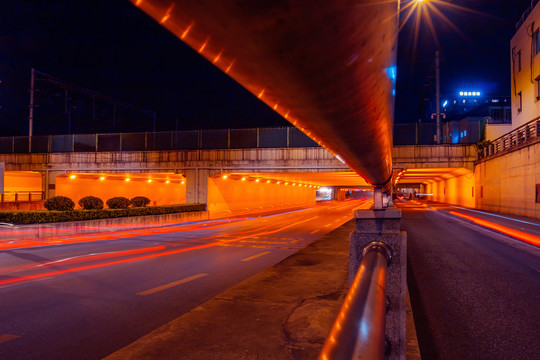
358 332
155 141
18 196
526 14
514 139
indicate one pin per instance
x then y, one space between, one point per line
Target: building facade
525 67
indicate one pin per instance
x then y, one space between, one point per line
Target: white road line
327 225
172 284
256 256
8 337
314 231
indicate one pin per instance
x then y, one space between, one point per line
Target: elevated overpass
76 165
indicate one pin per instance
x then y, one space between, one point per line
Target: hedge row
45 216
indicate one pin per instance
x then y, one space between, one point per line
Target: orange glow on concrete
529 238
22 181
155 189
261 94
236 195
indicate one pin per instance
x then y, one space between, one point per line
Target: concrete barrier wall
102 225
507 183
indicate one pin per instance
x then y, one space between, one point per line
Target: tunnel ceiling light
183 182
257 180
102 178
286 183
149 180
243 179
127 179
166 182
224 177
268 181
72 177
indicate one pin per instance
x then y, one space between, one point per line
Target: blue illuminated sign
469 93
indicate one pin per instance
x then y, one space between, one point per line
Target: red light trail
529 238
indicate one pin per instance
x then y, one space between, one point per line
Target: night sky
114 48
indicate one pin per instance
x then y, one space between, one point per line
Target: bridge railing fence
516 138
452 132
153 141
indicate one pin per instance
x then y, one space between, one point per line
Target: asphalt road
84 297
475 294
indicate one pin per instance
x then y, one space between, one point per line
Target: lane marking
8 337
314 231
327 225
256 256
172 284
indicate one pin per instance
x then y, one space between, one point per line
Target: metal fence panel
243 138
61 143
215 139
158 141
108 142
20 144
40 144
298 139
404 134
85 142
134 142
186 140
6 145
273 137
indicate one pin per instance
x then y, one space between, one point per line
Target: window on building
508 115
520 103
537 87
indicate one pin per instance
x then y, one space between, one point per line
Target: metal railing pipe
358 332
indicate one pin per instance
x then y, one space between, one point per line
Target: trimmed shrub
91 203
59 203
42 216
118 202
140 201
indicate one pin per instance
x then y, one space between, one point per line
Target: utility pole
31 110
438 96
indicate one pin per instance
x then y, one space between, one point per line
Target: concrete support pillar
384 226
197 185
48 182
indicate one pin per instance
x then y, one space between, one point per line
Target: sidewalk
285 312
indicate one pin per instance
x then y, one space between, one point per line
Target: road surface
84 297
475 293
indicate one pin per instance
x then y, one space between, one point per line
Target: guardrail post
384 226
